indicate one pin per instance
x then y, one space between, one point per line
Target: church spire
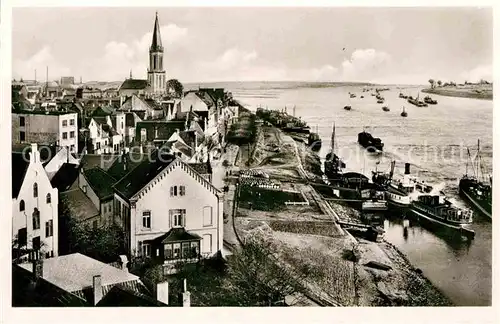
156 42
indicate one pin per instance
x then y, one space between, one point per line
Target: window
36 243
72 134
173 191
65 135
207 243
35 190
122 125
65 123
36 219
21 205
146 219
98 145
21 121
146 249
182 190
168 253
72 147
48 199
186 253
177 250
22 236
119 209
71 122
22 136
195 249
207 216
177 217
49 228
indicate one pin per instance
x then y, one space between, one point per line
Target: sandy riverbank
303 237
473 91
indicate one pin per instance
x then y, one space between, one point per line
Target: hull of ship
396 200
374 206
301 130
469 197
435 224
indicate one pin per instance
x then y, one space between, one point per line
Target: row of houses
138 122
168 209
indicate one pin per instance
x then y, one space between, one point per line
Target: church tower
156 73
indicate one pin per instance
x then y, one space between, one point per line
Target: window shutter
183 218
171 191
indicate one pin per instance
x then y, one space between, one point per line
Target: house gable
176 164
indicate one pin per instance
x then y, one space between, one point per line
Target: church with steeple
156 83
156 73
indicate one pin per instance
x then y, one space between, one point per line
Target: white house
34 206
104 136
169 211
62 156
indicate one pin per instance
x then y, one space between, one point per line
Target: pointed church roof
156 42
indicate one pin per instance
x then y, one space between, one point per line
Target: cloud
115 63
364 65
39 62
119 58
484 72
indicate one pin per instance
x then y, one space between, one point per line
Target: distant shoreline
485 94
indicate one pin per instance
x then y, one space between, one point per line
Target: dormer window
49 198
21 205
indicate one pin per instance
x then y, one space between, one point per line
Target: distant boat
347 107
314 141
362 96
372 144
401 95
352 95
404 113
380 101
416 102
385 108
333 164
430 101
373 94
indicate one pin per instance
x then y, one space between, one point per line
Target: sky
380 45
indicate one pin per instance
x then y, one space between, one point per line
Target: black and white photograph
257 156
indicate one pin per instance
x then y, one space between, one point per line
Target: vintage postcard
250 156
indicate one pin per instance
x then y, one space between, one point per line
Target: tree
257 278
175 86
104 243
431 81
439 83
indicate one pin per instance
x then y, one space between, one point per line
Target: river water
433 139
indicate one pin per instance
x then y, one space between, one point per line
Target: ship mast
333 139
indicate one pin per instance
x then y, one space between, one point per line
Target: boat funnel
407 168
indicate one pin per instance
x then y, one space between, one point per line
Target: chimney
186 296
162 292
97 288
124 262
407 168
35 155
